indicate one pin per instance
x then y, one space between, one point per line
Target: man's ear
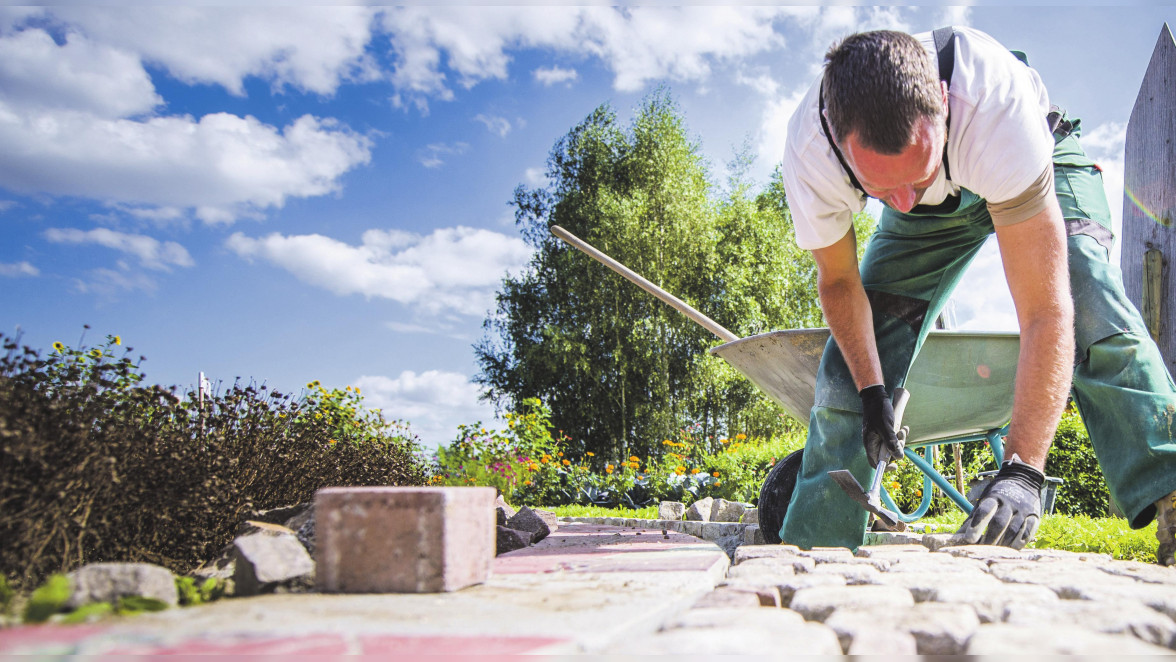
943 89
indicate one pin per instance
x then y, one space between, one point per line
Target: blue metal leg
996 443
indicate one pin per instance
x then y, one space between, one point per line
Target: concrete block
797 563
1001 639
892 552
692 528
700 510
672 510
818 602
938 629
747 552
936 562
764 574
715 530
750 516
936 541
828 554
748 595
990 601
107 582
983 552
404 539
752 535
1110 617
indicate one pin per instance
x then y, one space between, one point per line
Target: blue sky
298 193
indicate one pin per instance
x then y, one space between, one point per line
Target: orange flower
526 482
608 469
694 471
590 454
565 462
561 453
741 436
634 458
715 474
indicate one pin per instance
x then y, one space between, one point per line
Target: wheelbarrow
960 384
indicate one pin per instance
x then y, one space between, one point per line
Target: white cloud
496 125
308 48
555 75
434 402
81 75
535 177
222 165
955 15
454 269
5 205
431 156
773 131
18 269
982 300
110 282
152 253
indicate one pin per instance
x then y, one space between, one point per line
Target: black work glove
1009 509
878 425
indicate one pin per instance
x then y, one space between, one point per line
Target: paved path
627 589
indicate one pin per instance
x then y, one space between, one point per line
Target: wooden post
1149 199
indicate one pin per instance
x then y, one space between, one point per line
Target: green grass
1072 533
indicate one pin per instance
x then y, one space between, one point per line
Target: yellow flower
694 471
533 466
332 441
96 353
722 441
318 416
608 469
526 482
717 483
118 340
634 458
741 436
667 442
590 454
59 347
561 453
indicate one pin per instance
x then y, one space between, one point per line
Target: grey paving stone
1060 554
752 535
982 552
747 552
789 587
936 562
744 596
936 541
1158 597
828 554
692 528
1110 617
1066 578
881 641
818 602
803 639
723 510
672 510
1003 639
700 510
854 573
711 617
923 585
1144 572
766 572
799 564
889 551
938 628
750 516
990 601
715 530
107 582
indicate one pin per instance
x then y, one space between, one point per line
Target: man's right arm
847 310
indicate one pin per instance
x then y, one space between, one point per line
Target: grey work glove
878 425
1009 509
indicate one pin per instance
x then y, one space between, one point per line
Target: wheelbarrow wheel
775 494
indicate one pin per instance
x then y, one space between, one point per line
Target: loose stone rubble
107 582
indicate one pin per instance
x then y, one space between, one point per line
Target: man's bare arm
1035 264
847 310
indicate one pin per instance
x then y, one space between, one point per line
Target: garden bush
1072 459
95 466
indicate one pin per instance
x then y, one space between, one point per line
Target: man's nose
903 199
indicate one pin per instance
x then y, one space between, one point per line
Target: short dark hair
878 85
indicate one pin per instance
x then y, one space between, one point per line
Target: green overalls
911 265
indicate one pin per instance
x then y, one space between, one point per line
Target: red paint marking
325 644
983 371
13 640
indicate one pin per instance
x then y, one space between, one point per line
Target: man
955 140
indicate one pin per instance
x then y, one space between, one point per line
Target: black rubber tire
775 494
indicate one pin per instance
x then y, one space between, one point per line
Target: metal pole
681 306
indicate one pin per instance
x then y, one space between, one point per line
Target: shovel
872 500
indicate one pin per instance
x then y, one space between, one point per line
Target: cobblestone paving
903 599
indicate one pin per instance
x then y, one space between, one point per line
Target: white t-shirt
998 144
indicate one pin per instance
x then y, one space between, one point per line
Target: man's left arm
1034 255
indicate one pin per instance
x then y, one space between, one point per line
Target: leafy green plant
1072 459
48 599
193 593
7 594
89 613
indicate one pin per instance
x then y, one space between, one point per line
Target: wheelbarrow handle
681 306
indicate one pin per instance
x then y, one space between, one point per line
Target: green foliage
191 593
577 510
618 367
88 613
96 467
1072 459
1104 535
6 595
137 604
48 599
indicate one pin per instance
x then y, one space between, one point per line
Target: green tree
620 370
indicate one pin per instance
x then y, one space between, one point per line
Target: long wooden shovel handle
681 306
